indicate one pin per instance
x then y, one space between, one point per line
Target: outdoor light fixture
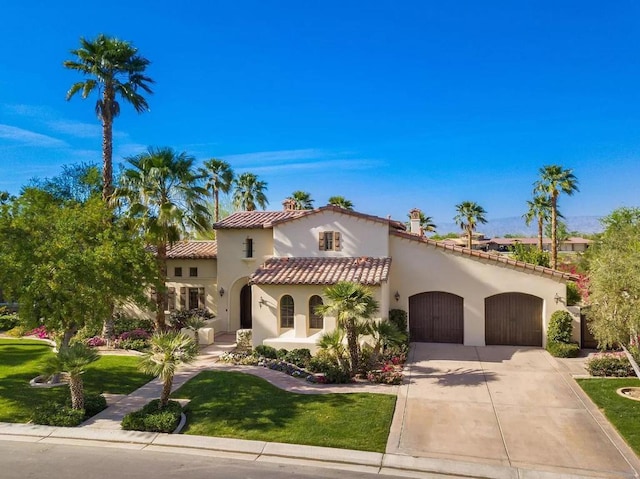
221 292
558 298
397 296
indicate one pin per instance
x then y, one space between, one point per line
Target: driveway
503 406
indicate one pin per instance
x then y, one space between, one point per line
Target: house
267 271
568 245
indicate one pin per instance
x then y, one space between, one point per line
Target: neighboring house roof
255 219
488 256
533 241
397 225
193 249
322 271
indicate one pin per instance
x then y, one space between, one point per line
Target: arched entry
513 319
245 307
436 317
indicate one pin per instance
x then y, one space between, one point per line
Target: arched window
286 311
316 321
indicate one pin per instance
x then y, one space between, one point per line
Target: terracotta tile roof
398 225
255 219
193 249
323 271
488 256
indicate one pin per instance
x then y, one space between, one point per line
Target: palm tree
341 202
249 192
540 210
219 178
302 199
426 223
351 304
160 193
169 349
554 179
469 215
73 360
115 70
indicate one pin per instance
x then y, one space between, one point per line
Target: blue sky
393 105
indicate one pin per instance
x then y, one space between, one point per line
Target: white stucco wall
417 267
359 237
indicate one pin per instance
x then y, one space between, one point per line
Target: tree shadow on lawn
455 377
18 398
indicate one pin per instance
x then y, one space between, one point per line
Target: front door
245 307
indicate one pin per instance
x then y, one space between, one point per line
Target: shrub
17 332
179 318
610 365
134 334
560 327
326 365
388 374
123 324
93 404
39 332
563 350
281 353
152 419
243 340
56 414
266 351
399 318
573 294
134 344
8 321
95 342
299 357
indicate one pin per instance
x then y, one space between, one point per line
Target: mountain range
495 228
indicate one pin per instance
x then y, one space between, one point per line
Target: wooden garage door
513 319
436 317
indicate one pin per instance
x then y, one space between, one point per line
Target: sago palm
351 304
115 70
160 195
218 177
249 193
469 214
73 360
554 180
539 210
169 349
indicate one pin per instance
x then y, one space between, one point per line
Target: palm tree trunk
107 143
352 341
554 232
540 228
166 392
469 237
217 204
161 295
76 388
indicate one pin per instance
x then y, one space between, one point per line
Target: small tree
168 350
73 360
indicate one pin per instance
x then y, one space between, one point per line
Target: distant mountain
515 226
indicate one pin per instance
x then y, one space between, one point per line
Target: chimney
289 204
415 229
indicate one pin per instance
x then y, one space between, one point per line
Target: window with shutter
194 298
171 299
248 248
321 241
183 298
201 298
336 241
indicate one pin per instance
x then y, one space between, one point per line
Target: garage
513 319
436 317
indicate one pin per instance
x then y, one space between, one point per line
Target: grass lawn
236 405
623 413
21 361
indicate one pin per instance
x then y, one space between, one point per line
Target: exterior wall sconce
221 292
262 301
397 296
558 298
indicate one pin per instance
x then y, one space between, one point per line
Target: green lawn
21 361
236 405
623 413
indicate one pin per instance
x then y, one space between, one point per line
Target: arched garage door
436 317
513 319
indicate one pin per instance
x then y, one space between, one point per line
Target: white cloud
76 128
324 165
269 156
29 138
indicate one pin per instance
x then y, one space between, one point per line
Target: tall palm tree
160 194
540 210
249 192
303 200
340 201
169 349
218 178
426 223
469 215
554 180
115 70
351 304
73 360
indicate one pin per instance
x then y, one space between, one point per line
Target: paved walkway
504 406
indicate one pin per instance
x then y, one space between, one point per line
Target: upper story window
316 321
193 272
329 241
177 271
248 248
286 311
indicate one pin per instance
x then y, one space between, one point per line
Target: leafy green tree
554 180
218 178
426 223
115 70
614 282
160 195
5 197
66 263
445 236
352 304
249 193
539 210
303 200
530 255
169 349
73 360
469 214
77 182
341 202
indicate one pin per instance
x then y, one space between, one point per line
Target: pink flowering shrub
39 332
610 365
135 334
95 342
388 374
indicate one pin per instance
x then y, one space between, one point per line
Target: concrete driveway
503 406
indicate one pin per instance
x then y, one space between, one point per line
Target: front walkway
504 406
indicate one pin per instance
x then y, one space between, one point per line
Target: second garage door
436 317
513 319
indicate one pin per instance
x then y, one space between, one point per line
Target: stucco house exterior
267 271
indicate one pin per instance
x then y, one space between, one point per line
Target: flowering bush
40 332
95 342
610 364
388 374
135 334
